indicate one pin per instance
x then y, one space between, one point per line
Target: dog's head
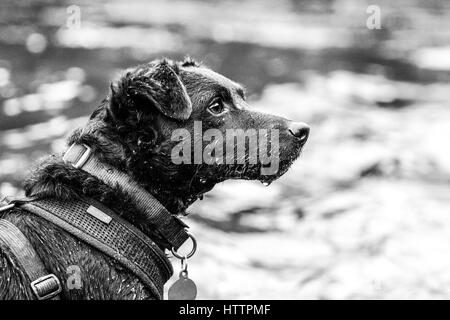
184 126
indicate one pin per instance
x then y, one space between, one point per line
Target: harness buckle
46 287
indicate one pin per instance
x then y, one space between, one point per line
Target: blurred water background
365 212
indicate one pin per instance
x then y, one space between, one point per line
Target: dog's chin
263 174
269 178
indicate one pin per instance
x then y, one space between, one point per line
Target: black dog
132 131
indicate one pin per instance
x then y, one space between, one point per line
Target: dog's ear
156 85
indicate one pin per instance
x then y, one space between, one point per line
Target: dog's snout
300 130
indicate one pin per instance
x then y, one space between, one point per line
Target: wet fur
130 130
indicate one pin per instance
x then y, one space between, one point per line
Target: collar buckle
82 159
5 203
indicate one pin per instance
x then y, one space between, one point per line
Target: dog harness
44 285
100 227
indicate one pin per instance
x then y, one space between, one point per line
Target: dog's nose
300 130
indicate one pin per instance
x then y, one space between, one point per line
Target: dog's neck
54 178
175 196
177 203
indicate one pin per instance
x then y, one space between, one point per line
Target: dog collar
172 229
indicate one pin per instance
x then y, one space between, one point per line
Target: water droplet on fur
202 180
266 183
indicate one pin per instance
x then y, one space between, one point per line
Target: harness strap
100 227
170 227
44 285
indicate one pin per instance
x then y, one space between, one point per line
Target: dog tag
183 289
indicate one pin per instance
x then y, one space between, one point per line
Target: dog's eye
217 107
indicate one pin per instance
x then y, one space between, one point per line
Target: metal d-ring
190 254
